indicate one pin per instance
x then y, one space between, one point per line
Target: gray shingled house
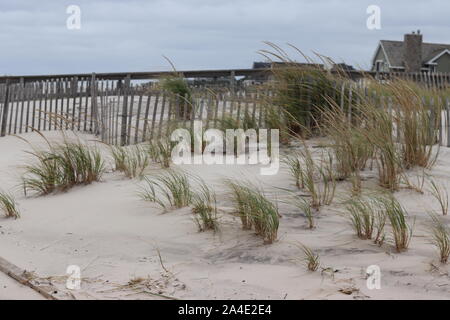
411 55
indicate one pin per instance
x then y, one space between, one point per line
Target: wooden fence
117 111
121 112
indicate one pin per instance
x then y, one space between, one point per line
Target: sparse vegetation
416 124
349 145
298 89
316 178
205 208
362 217
131 160
440 237
8 205
295 168
255 210
367 217
180 94
169 190
441 195
310 258
61 167
161 151
304 206
401 229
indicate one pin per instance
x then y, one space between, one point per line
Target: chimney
412 52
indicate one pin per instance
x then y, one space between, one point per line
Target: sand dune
115 237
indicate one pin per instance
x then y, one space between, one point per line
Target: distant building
262 65
263 77
411 55
342 67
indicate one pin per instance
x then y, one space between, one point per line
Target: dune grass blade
310 258
305 207
368 217
349 146
239 195
316 177
63 166
401 230
168 190
295 168
441 195
440 237
255 210
416 123
161 151
8 206
362 217
205 208
131 160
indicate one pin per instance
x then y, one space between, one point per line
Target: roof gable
394 51
436 57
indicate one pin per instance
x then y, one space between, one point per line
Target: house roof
394 51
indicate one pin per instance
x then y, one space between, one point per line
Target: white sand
112 235
11 290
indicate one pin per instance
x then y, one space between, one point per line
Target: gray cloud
199 34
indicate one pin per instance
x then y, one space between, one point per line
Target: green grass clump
8 206
440 237
131 160
316 177
61 167
205 208
401 230
367 217
169 190
180 94
161 151
296 170
304 206
441 195
255 210
349 146
310 258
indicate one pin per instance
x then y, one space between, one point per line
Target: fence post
447 114
123 125
232 81
4 118
94 106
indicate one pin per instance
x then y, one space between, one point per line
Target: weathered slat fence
121 112
117 111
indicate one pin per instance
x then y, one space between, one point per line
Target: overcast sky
133 35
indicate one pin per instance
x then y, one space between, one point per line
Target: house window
432 68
